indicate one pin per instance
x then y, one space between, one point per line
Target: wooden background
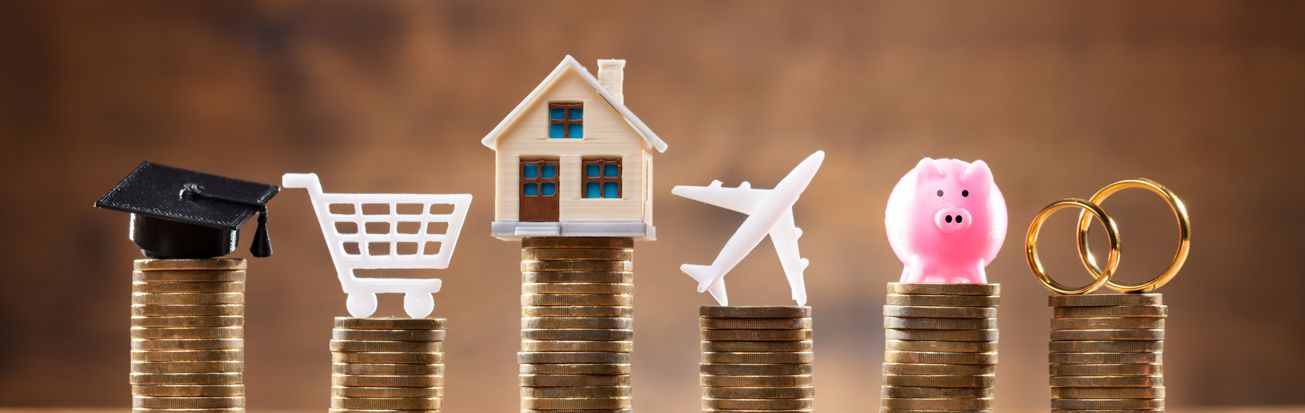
1059 97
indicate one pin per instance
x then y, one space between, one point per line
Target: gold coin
755 346
754 312
187 332
151 310
184 276
584 403
919 300
350 346
709 380
942 346
964 380
1106 346
192 321
186 355
577 265
186 378
577 277
1107 369
804 357
945 289
1108 392
387 403
598 369
188 344
576 300
189 390
940 312
940 323
189 264
388 357
1107 381
387 392
597 392
623 323
924 357
941 335
187 287
387 380
1104 358
577 242
387 335
151 402
624 346
945 404
577 334
754 369
426 324
208 410
1107 323
577 311
1153 311
756 335
571 254
533 357
754 323
756 404
1105 300
1108 404
188 367
572 381
577 288
799 392
938 369
187 298
387 369
1109 335
936 392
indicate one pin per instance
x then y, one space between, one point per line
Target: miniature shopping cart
386 231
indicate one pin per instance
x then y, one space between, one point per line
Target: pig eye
965 193
940 193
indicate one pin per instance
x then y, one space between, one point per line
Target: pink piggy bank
946 219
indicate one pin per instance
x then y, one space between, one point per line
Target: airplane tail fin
717 291
700 273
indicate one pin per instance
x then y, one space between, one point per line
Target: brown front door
539 190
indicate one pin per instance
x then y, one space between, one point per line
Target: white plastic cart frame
353 246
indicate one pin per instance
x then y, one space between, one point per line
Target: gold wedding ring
1184 233
1100 277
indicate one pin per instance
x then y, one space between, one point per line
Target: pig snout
952 220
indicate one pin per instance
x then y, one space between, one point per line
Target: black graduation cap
178 213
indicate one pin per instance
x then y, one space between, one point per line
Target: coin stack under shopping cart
576 324
387 364
756 359
940 351
187 329
1106 352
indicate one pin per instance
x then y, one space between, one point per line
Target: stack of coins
756 359
387 364
576 324
187 329
940 351
1106 352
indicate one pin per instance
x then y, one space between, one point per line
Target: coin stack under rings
756 359
1106 349
187 329
576 324
940 350
387 364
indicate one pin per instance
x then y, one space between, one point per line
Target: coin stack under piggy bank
1106 352
187 329
387 364
576 324
940 351
756 359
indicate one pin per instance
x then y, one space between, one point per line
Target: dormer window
566 120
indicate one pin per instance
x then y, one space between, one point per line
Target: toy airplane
770 212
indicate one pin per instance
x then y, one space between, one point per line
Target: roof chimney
611 75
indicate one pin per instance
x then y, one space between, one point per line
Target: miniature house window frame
566 120
540 177
608 176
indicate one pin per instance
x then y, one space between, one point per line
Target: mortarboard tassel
261 246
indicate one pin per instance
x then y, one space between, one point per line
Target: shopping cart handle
307 181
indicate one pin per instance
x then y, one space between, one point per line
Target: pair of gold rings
1092 208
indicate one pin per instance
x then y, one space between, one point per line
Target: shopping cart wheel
418 305
361 304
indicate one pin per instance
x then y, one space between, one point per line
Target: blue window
532 171
539 178
532 189
549 189
550 170
602 178
566 120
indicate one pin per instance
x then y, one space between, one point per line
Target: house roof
569 63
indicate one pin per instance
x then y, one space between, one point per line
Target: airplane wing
784 235
741 199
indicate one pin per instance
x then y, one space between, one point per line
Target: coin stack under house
187 329
940 350
1106 352
387 364
756 359
576 324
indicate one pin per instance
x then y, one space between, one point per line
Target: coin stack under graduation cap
576 324
940 351
1106 352
387 364
756 359
187 329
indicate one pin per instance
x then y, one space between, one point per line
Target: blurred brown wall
1060 97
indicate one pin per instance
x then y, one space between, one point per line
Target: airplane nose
951 220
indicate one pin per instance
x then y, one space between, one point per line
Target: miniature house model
572 160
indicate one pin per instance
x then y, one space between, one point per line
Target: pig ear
977 173
929 168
